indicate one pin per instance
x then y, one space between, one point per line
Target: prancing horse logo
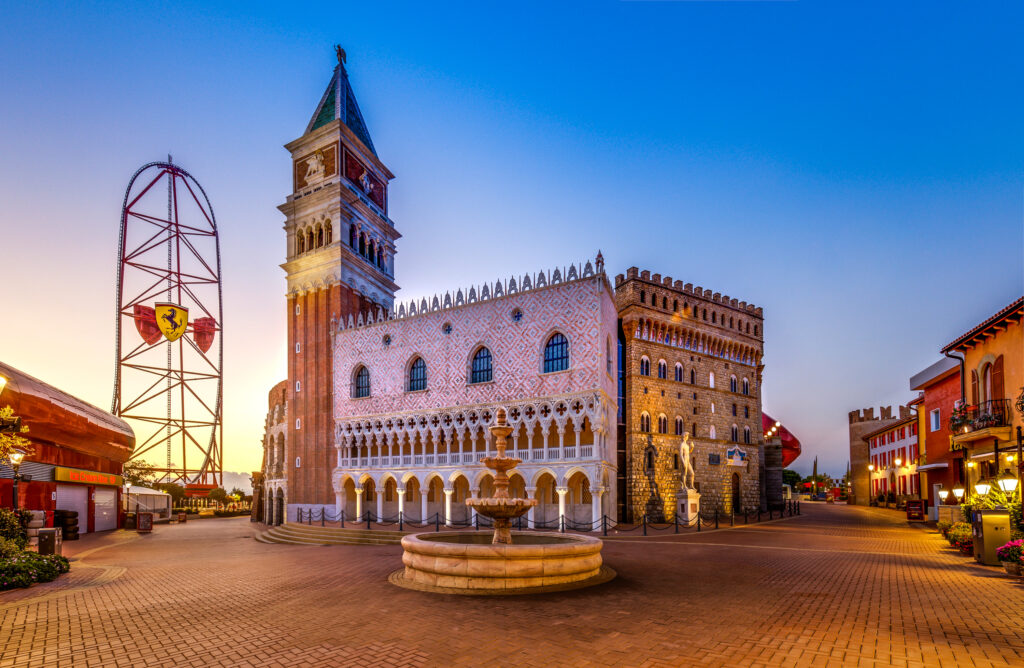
172 320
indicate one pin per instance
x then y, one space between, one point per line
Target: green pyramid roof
338 101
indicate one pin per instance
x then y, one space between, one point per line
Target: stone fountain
501 507
502 562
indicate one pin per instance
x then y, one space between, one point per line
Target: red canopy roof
790 443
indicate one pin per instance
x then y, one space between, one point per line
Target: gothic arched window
679 372
645 366
732 384
418 375
556 353
482 371
328 233
645 422
662 424
300 243
679 426
362 384
352 237
734 434
746 435
662 369
746 386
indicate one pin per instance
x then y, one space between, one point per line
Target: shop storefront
77 452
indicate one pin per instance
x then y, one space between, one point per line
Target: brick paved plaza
835 586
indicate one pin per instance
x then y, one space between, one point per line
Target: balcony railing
994 413
455 458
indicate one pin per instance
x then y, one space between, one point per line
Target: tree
237 494
791 478
138 472
12 440
217 494
176 491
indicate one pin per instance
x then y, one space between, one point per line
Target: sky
856 169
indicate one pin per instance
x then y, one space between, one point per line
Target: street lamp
982 487
898 462
958 492
943 494
16 458
1007 482
871 467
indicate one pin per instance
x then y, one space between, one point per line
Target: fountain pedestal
502 562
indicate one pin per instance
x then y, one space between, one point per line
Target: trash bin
50 541
991 531
182 517
129 521
144 522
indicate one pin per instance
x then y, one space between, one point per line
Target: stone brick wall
707 334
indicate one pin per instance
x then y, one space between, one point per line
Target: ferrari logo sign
171 319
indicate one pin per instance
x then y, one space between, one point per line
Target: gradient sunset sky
854 168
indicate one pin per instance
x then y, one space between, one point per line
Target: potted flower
944 527
1010 556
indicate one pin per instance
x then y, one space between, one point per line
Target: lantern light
898 462
982 487
1007 482
16 458
943 494
958 492
871 467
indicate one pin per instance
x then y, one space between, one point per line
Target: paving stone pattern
843 586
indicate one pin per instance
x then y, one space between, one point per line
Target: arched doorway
279 508
736 493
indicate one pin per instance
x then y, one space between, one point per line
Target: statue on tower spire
340 52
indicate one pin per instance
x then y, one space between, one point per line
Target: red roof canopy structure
790 443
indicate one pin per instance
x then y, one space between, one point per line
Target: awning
936 465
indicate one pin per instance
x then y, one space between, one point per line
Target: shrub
14 525
961 536
9 548
943 527
27 568
1011 552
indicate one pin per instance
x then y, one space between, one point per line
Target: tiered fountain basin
467 562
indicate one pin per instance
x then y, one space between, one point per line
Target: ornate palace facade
385 408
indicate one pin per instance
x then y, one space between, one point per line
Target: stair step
291 540
327 531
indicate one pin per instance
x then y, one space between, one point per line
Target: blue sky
854 168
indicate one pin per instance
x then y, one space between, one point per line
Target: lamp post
16 458
943 495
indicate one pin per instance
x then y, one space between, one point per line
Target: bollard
732 518
401 519
645 524
604 524
698 521
342 518
309 520
476 521
323 511
716 518
368 521
437 522
677 522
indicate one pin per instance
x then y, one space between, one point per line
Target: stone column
530 491
401 501
448 506
380 503
562 491
595 507
472 517
423 504
359 503
339 500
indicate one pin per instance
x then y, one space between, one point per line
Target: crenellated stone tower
340 249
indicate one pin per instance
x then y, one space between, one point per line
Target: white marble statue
685 448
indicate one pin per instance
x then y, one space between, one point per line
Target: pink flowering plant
1012 551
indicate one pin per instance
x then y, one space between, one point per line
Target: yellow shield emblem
171 319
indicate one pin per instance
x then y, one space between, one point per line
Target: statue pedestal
688 506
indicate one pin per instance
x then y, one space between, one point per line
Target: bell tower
340 249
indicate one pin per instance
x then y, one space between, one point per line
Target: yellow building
986 425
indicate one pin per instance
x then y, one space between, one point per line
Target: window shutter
974 386
997 379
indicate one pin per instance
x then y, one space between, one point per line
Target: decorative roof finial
340 52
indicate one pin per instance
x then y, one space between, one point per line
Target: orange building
986 426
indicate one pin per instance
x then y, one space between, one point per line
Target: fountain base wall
468 561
